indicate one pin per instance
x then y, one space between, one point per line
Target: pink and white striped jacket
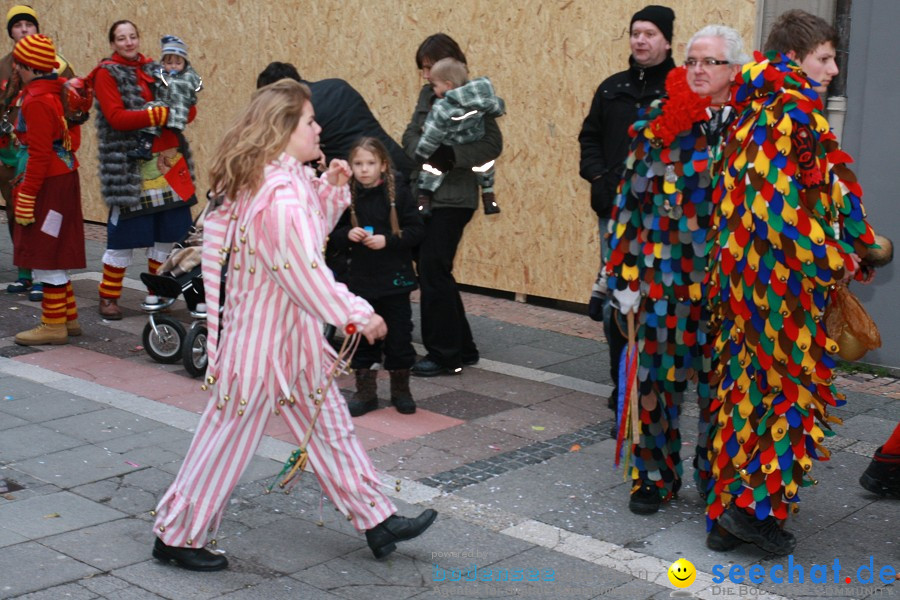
279 292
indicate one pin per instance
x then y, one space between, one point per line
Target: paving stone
28 441
31 567
837 496
577 405
530 356
105 584
465 405
106 546
283 546
69 591
8 538
103 425
171 582
505 387
593 367
52 514
22 389
8 421
410 459
170 438
531 424
359 576
868 429
30 486
77 466
282 588
472 442
114 493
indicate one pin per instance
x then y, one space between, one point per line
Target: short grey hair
734 45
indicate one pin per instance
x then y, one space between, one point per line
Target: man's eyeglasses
706 62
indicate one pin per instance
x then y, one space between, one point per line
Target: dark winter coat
345 117
604 135
378 273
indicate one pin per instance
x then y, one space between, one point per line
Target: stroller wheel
194 353
164 344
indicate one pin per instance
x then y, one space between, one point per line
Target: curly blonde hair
258 135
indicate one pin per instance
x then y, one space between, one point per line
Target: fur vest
120 176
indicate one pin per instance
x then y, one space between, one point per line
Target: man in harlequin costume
789 226
48 236
658 259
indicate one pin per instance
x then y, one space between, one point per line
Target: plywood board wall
545 59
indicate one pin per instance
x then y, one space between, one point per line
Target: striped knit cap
36 51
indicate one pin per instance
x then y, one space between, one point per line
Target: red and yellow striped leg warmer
71 308
111 285
53 305
153 266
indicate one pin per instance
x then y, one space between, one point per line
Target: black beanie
661 16
20 12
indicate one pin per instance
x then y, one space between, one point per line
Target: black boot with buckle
383 538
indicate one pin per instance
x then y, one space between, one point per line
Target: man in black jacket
604 138
342 113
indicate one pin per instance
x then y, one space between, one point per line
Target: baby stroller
165 339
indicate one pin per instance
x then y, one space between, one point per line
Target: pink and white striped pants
228 434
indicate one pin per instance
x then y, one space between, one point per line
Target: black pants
617 340
397 347
445 330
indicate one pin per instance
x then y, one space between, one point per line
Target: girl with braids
378 233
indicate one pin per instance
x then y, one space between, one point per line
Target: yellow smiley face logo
682 573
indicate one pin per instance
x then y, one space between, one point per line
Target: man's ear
791 54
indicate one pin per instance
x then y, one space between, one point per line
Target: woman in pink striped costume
267 355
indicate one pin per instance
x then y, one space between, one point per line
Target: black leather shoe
766 534
383 538
192 559
470 361
428 368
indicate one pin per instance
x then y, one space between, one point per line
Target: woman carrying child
149 200
378 233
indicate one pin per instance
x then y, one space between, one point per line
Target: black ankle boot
366 397
401 397
192 559
144 149
489 202
766 534
882 476
383 538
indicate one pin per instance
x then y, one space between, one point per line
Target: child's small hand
338 173
357 234
375 242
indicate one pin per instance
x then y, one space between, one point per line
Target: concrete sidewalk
514 453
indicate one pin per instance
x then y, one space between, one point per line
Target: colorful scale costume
788 216
659 246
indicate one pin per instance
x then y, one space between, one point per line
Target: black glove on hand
443 159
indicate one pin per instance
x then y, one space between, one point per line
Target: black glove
443 159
